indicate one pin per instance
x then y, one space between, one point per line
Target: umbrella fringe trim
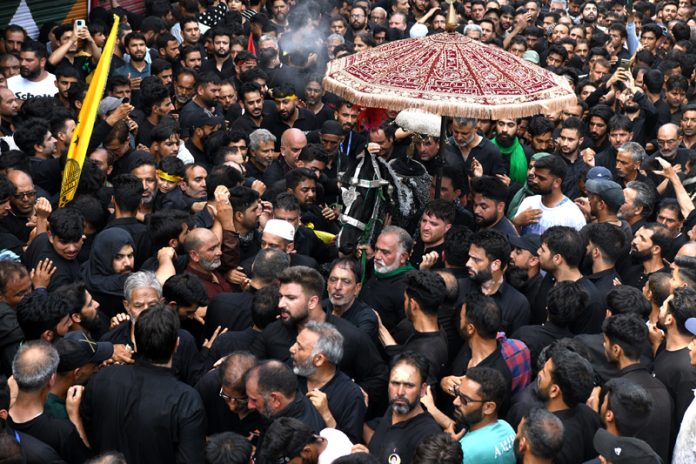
512 110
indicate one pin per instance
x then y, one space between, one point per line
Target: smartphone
625 64
629 6
79 23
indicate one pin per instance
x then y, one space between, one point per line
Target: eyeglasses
21 195
238 149
465 399
357 16
667 142
228 398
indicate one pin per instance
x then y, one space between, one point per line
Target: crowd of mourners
190 304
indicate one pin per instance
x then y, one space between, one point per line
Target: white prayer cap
280 228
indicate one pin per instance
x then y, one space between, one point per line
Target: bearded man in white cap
280 235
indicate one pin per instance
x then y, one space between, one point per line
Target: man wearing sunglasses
478 398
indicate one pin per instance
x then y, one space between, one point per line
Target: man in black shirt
436 220
343 287
523 273
289 114
395 436
622 299
564 384
271 389
315 354
425 293
559 254
606 245
201 126
479 323
672 364
142 290
648 248
625 336
224 398
251 99
564 303
300 290
233 310
34 366
23 202
469 145
384 291
170 417
489 254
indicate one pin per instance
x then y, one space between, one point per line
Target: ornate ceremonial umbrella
447 74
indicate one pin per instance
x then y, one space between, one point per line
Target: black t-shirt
11 336
187 364
536 337
305 122
402 438
659 425
514 307
228 310
361 360
674 370
580 424
59 434
589 320
66 271
346 403
386 296
432 345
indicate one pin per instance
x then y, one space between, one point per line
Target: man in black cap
604 198
330 137
201 126
523 271
616 450
80 357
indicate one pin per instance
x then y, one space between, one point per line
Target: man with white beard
384 291
204 258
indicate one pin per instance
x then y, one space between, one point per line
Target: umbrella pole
440 157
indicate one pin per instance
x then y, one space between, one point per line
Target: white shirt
338 445
685 447
25 89
566 213
176 31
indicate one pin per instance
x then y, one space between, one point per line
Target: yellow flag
85 123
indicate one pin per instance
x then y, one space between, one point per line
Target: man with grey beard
384 291
204 258
315 354
406 423
271 389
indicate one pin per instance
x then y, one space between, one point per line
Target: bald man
292 142
669 139
204 253
22 203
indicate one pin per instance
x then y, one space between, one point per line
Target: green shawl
524 192
399 270
518 160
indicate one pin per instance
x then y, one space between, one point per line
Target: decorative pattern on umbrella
450 75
